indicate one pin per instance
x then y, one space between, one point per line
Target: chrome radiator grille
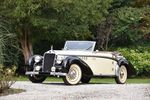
49 60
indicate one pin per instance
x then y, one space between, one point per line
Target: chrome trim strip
32 73
97 56
50 73
58 74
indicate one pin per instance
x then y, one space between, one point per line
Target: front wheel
36 78
122 77
74 75
85 79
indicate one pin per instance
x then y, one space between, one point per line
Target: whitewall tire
74 75
122 77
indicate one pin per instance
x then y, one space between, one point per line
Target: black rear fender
130 68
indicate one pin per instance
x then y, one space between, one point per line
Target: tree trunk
104 30
26 45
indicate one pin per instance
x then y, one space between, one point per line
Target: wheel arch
130 68
76 60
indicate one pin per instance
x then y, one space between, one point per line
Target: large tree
19 14
127 23
105 28
61 18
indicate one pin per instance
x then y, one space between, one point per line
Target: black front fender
76 60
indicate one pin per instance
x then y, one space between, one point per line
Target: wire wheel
74 75
122 77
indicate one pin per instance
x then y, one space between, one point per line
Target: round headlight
37 68
59 59
37 58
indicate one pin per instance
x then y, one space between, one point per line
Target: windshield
79 45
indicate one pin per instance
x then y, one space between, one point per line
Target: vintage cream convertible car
79 62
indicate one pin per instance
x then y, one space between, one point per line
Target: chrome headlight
37 58
37 68
59 59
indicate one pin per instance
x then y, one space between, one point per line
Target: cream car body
79 62
101 63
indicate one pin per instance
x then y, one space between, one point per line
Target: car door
102 66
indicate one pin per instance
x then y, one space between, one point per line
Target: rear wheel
36 78
74 75
85 79
122 77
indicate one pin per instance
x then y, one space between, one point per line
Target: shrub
6 78
9 47
139 57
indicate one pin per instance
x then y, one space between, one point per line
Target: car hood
83 53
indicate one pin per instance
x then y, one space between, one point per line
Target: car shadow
63 84
53 83
92 83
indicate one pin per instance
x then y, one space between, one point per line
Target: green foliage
127 23
74 17
145 21
8 45
131 29
54 20
6 78
64 18
139 57
8 55
59 16
132 21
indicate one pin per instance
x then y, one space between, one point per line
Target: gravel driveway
59 91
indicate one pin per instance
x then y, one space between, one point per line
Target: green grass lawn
94 80
111 80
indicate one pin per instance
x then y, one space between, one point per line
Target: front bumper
46 73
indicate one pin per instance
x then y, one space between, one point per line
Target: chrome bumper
32 73
46 73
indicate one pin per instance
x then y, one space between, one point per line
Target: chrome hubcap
123 74
72 74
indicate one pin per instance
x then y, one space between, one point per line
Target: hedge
139 57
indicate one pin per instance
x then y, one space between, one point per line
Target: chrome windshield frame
90 47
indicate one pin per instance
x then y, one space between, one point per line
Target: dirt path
59 91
